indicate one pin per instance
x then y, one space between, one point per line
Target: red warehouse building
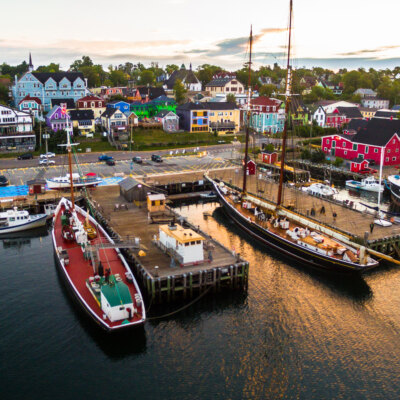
377 135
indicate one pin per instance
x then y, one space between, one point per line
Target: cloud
366 51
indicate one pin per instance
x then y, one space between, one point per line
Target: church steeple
30 66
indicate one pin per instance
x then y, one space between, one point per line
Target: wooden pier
161 279
344 218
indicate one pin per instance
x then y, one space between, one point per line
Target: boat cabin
116 300
156 203
13 217
185 243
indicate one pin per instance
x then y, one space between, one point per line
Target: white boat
210 195
370 184
63 182
319 189
16 221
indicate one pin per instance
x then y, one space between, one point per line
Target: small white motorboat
320 189
16 221
63 182
370 184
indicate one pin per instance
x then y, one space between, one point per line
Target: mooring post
191 284
169 288
184 286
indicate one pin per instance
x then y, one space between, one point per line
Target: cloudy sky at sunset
351 33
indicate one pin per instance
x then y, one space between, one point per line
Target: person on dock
322 210
371 226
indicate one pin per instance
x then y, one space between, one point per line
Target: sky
331 34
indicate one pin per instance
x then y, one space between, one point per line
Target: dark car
137 160
105 157
3 180
156 158
25 156
110 161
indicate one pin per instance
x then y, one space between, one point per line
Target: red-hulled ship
94 268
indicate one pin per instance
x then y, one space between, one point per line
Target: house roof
58 76
191 106
359 160
163 113
90 98
29 98
350 112
296 102
70 102
386 114
163 99
185 75
219 82
365 92
80 115
129 183
129 113
109 112
396 107
378 132
265 101
220 105
152 92
357 124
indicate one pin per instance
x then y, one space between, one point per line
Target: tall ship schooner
291 234
93 266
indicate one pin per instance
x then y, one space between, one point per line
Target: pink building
377 135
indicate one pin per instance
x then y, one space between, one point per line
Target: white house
186 244
375 103
169 120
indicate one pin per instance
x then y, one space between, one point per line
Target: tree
52 67
4 96
118 78
267 90
205 73
78 64
179 91
147 77
231 98
170 68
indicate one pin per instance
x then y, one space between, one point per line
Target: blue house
267 115
49 85
120 105
193 117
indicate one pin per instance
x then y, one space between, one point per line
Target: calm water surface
295 334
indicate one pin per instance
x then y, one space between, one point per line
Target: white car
48 155
46 161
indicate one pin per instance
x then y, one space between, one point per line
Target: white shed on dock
185 242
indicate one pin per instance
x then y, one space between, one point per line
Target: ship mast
246 151
70 163
288 98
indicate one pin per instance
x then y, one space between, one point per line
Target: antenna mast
246 151
288 98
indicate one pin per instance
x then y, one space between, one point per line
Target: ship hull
51 185
82 296
37 223
289 249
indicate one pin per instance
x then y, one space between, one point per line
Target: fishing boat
94 268
64 182
370 184
15 220
394 185
320 190
298 237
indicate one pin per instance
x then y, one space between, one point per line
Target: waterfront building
114 121
368 112
57 120
224 117
83 120
224 85
169 120
31 105
341 116
365 93
299 112
132 119
94 103
193 117
16 130
388 114
267 115
49 85
378 135
325 107
186 76
149 93
373 102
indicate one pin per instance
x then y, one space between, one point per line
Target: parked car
137 160
49 154
105 157
110 161
25 156
156 158
3 180
367 171
46 161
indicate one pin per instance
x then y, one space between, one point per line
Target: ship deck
79 269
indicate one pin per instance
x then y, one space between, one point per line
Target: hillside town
357 107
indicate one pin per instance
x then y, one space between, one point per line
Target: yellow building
368 112
225 86
224 117
83 120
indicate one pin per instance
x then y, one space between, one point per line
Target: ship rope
180 309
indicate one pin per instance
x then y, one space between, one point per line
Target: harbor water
295 333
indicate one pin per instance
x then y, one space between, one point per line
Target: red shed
358 164
251 167
269 157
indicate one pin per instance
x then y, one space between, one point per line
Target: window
387 159
333 143
355 146
366 149
393 158
327 141
394 141
345 153
375 150
388 151
153 203
344 144
397 150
